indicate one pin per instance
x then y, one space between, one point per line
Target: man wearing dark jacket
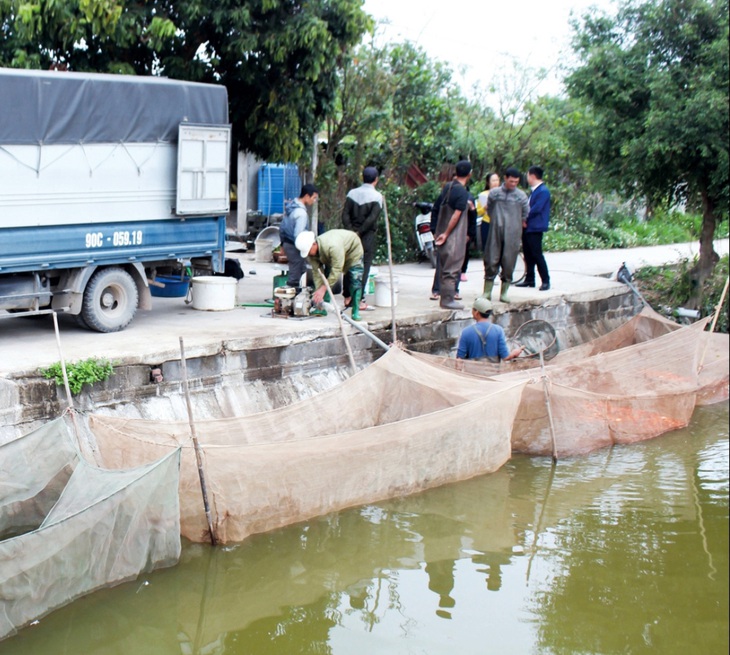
533 228
360 214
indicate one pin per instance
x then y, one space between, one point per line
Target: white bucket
214 293
264 250
382 291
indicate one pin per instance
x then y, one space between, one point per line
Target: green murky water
622 551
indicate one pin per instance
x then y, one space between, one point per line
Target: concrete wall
279 372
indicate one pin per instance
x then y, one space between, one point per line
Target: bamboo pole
394 335
714 322
196 445
69 399
546 391
339 320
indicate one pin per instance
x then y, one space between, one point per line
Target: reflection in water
625 550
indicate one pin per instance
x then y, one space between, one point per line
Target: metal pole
196 445
366 332
394 337
339 320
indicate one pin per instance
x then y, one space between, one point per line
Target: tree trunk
708 257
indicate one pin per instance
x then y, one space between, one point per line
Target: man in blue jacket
533 228
291 226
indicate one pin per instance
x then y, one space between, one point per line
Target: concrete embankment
244 360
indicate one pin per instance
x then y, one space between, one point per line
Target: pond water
621 551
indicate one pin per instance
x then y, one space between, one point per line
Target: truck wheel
110 300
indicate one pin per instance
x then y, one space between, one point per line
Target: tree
278 58
655 80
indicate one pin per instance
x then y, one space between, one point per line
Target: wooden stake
714 322
69 398
196 445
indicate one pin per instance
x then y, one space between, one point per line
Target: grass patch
88 371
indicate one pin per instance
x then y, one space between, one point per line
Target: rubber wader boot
488 286
356 296
448 290
503 291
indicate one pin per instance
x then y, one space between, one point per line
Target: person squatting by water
536 224
484 339
360 214
336 252
507 207
292 225
451 231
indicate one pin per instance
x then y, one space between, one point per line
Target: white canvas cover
397 427
68 528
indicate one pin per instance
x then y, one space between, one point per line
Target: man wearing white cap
336 252
484 339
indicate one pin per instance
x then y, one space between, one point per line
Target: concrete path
29 343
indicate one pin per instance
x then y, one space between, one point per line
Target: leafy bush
670 287
87 371
401 216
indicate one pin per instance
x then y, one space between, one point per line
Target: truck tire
110 300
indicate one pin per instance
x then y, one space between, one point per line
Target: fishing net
648 384
397 427
646 325
68 528
628 395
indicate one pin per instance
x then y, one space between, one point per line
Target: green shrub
671 287
87 371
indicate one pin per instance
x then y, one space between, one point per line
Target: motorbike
424 236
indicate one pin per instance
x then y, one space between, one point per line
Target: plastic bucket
264 250
382 291
174 287
214 293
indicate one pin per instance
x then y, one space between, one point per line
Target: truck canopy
52 107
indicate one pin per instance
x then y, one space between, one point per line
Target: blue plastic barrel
276 184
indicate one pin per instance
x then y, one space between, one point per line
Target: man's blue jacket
538 217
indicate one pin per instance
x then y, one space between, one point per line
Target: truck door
203 170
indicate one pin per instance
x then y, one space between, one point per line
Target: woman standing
490 182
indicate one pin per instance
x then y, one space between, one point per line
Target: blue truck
106 181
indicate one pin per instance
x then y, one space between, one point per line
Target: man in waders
484 340
336 252
508 208
451 229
